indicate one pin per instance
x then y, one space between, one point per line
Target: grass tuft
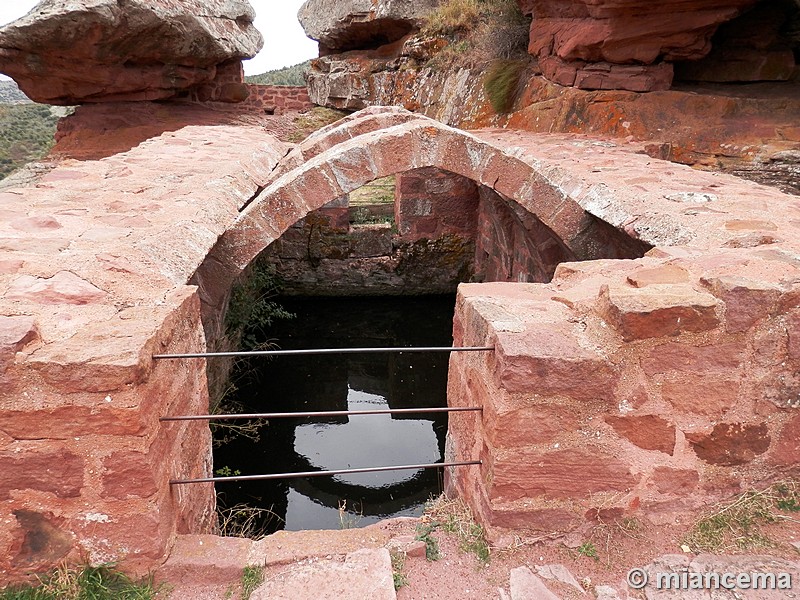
455 517
87 583
252 577
503 83
737 525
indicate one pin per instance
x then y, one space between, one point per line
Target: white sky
285 43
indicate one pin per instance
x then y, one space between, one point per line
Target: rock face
632 44
104 50
340 25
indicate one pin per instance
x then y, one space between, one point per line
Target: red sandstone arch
365 147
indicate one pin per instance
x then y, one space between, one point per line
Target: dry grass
317 118
455 517
86 583
478 32
244 521
738 525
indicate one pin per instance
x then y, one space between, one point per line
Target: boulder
341 25
107 50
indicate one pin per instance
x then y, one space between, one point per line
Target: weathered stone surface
59 472
558 474
720 358
559 573
680 482
103 50
627 32
15 334
786 452
43 542
731 444
362 574
658 310
746 301
128 475
207 558
62 288
527 586
340 25
647 431
709 395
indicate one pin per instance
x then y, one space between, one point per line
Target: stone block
128 475
527 586
746 301
207 558
680 482
553 359
687 358
731 444
362 574
16 333
665 274
697 393
59 472
565 473
786 450
649 432
657 310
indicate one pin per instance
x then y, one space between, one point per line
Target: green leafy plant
425 534
398 569
27 132
589 550
86 583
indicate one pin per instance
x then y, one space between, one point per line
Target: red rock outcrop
71 53
355 24
632 44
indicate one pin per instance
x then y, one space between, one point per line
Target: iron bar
319 351
322 473
328 413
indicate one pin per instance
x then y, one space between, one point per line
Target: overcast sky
285 43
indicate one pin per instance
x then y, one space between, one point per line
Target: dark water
354 382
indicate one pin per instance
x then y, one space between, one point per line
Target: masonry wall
85 463
623 389
277 99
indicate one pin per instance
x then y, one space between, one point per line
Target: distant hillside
26 133
10 94
286 76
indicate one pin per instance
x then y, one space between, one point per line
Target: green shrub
26 133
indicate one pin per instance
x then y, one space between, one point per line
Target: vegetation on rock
294 75
11 94
26 133
87 583
503 82
478 32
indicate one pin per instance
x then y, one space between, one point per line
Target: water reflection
351 382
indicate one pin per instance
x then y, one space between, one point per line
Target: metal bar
319 351
322 473
327 413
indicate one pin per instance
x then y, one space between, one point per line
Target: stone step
365 573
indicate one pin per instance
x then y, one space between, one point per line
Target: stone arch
369 145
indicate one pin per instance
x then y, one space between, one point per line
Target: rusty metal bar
322 473
328 413
320 351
